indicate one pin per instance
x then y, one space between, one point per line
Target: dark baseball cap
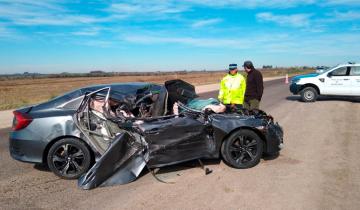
248 64
232 66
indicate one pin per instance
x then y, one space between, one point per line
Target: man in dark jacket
254 86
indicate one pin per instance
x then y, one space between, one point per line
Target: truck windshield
329 69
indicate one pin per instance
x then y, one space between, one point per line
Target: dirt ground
318 169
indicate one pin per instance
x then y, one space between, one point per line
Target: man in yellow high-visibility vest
232 89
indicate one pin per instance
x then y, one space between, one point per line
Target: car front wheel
69 158
242 149
309 94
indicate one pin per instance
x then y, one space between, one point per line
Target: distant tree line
267 67
99 73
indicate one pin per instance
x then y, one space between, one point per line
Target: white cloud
58 13
325 45
304 44
144 8
5 32
93 31
198 42
208 22
251 3
346 16
97 43
47 12
8 33
342 2
48 4
293 20
337 16
247 42
355 28
330 45
56 20
271 3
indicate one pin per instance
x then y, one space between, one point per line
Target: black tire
309 94
69 158
242 149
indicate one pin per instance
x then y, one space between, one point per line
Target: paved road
275 91
318 169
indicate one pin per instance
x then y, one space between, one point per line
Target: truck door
337 82
355 80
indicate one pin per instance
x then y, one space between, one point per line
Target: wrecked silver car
156 126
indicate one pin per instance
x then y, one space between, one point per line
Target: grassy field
15 93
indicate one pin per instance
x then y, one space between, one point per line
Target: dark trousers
233 108
252 104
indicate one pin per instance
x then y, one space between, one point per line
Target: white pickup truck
341 80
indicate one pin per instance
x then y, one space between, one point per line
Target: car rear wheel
69 158
242 149
309 94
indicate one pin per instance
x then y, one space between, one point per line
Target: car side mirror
329 74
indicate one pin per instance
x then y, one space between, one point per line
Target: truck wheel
309 94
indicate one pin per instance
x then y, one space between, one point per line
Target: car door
355 80
337 82
91 119
176 139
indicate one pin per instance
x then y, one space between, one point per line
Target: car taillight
20 120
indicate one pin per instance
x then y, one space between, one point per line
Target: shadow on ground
271 157
42 167
169 172
164 174
175 170
328 98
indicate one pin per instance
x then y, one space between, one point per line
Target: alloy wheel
68 159
243 149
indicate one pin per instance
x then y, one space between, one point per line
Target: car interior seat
179 90
160 105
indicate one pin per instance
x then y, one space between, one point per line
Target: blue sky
53 36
